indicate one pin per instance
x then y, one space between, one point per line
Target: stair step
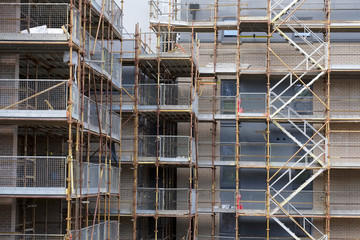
286 228
297 94
292 43
292 195
285 10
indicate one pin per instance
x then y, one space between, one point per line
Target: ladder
314 147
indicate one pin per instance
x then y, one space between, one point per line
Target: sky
136 11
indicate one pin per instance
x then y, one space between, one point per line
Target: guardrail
91 119
253 152
192 12
223 105
39 18
99 58
20 236
168 44
168 94
33 94
111 12
170 148
94 176
101 231
33 175
169 199
226 200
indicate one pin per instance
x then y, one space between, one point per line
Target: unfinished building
227 119
59 172
240 121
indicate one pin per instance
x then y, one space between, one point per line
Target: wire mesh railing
90 178
34 17
111 11
193 11
247 104
345 106
254 153
33 94
94 112
225 105
169 199
100 231
20 236
166 94
166 147
168 44
226 200
32 175
102 60
40 19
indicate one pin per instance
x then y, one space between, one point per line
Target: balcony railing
20 236
248 104
32 175
170 200
167 148
169 44
102 231
99 58
168 94
46 175
94 178
31 97
91 119
38 20
194 12
253 154
112 12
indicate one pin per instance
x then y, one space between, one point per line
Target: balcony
91 119
33 175
94 178
20 236
178 52
167 149
111 12
43 22
99 58
252 61
173 100
33 98
226 107
48 99
102 231
171 201
253 155
183 16
46 176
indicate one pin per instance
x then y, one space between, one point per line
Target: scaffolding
226 119
58 90
284 47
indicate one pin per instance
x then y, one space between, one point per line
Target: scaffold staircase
313 145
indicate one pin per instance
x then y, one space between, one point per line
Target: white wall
136 11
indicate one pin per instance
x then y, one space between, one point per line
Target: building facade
233 119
